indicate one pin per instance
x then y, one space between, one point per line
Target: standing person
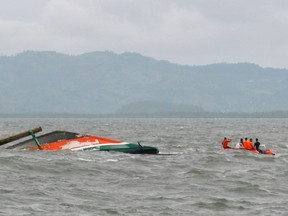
225 143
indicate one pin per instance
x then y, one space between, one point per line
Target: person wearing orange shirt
245 145
248 145
225 143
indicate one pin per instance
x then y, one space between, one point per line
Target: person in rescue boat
256 146
248 145
240 144
225 143
245 143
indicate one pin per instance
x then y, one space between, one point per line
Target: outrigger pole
35 139
21 135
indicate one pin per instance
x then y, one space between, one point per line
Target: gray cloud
183 31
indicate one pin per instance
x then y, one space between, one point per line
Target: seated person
248 145
259 147
225 143
240 144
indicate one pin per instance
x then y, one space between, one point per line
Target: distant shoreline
276 114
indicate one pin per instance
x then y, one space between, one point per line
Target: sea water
198 178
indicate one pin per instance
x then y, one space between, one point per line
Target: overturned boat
64 140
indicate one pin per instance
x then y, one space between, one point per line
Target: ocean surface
198 179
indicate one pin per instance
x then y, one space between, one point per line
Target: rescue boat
267 151
65 140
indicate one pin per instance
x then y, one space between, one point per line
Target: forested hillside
105 82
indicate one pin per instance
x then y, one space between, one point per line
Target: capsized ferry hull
63 140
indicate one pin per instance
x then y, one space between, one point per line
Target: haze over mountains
105 82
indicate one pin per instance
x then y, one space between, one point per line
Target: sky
190 32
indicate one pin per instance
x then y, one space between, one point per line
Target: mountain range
106 82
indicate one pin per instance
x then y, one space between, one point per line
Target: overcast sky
193 32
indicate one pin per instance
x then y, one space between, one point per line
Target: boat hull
268 151
63 140
125 148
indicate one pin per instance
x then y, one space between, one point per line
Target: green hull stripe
129 148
